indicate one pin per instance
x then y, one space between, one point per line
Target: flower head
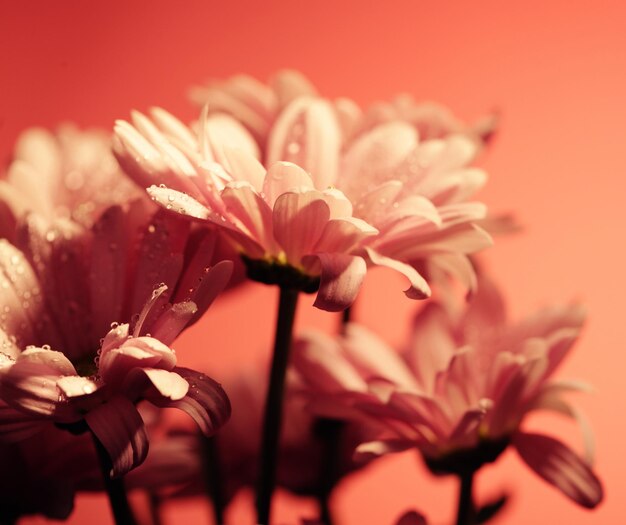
461 391
65 357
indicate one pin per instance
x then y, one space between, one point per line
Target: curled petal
561 467
374 449
119 427
154 383
206 402
340 280
419 288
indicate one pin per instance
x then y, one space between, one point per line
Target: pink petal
173 321
561 467
245 167
374 358
253 215
432 345
206 402
419 288
76 386
213 282
299 219
119 427
290 84
319 360
154 383
107 276
32 387
284 177
344 235
340 280
366 452
220 133
136 352
307 133
179 202
375 158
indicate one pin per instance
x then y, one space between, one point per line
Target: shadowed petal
561 467
119 427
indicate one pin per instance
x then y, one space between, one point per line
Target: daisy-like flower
461 391
64 357
70 174
387 200
290 229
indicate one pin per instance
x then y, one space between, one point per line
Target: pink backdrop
556 71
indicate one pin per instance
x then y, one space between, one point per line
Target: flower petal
561 467
340 280
299 219
419 288
119 427
179 202
206 402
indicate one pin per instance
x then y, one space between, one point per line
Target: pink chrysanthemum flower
461 391
65 358
289 228
70 174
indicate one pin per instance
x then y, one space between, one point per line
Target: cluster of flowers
112 245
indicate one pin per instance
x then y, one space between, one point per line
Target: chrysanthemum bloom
387 200
460 393
290 229
70 174
65 358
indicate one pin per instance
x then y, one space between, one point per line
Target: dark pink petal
299 219
212 283
173 321
17 426
206 402
340 280
30 383
561 467
107 276
119 427
412 518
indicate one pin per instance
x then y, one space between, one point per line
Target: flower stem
213 477
273 405
465 513
114 487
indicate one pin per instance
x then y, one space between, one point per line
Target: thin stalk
465 512
274 402
120 507
213 477
154 507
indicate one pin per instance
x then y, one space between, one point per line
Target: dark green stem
466 511
274 401
114 487
213 477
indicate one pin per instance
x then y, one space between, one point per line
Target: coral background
555 70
